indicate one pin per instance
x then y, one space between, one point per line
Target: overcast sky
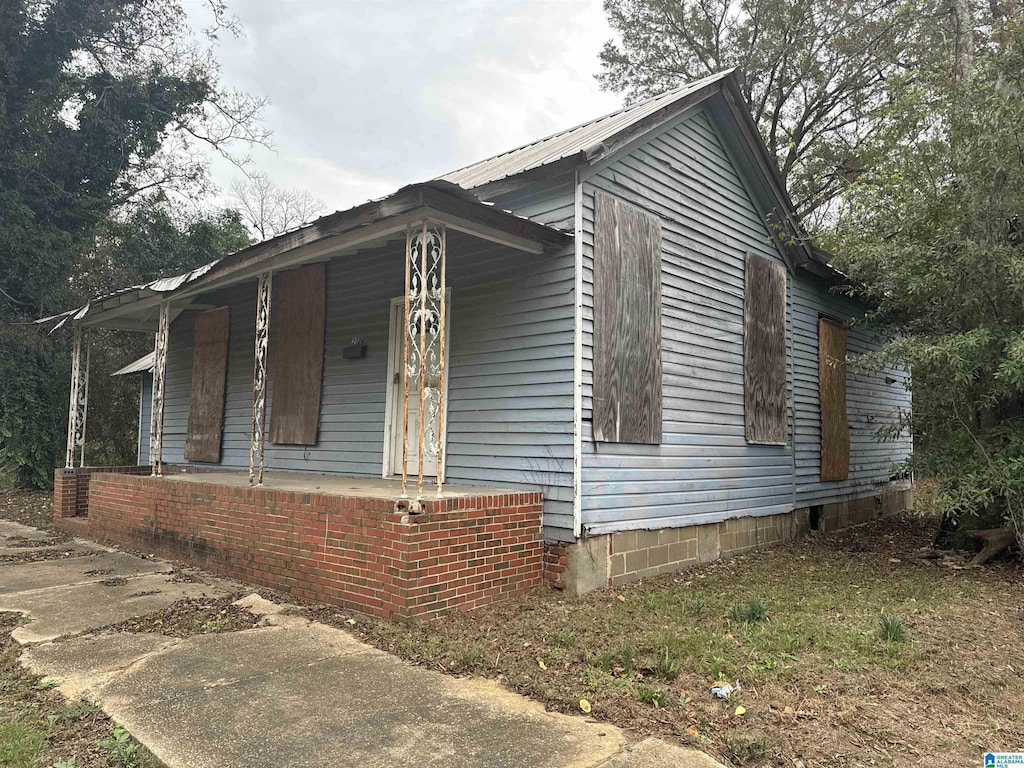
368 95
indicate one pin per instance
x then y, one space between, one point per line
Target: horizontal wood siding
872 400
510 391
704 470
145 417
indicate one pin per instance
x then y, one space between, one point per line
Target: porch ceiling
338 234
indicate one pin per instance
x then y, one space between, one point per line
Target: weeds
745 749
650 694
753 611
892 629
122 748
668 666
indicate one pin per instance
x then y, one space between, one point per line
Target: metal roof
582 138
448 202
142 365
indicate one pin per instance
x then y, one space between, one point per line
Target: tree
816 74
149 244
934 234
270 210
102 106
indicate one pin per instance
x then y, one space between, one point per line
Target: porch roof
136 307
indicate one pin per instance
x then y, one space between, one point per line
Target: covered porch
386 364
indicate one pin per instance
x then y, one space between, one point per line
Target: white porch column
424 348
156 431
78 401
259 380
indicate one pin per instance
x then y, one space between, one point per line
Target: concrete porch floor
335 485
290 692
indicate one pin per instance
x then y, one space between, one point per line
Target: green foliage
747 749
892 629
935 236
695 605
21 743
815 74
650 694
96 101
752 611
668 665
122 748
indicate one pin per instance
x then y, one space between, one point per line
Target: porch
353 542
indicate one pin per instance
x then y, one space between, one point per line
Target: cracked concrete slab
69 610
289 692
655 753
11 529
46 574
268 697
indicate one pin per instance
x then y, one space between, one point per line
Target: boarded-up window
835 428
764 350
298 361
209 374
627 323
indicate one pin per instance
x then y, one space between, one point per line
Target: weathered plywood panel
209 374
835 427
298 359
764 350
627 324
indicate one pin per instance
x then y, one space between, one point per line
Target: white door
396 351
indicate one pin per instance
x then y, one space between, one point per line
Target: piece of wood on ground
995 541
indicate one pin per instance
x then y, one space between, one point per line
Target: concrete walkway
288 693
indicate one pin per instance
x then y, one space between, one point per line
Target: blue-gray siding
872 402
145 415
704 470
510 391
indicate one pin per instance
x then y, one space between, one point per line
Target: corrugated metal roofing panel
143 364
572 141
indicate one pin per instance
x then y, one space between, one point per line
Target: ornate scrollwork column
78 401
156 432
259 380
424 347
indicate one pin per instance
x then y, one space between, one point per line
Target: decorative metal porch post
78 402
156 431
424 348
259 380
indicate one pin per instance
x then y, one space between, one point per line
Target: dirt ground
821 685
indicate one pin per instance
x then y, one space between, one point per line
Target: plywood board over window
209 375
298 355
835 426
627 323
764 350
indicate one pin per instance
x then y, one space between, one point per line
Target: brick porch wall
71 488
359 553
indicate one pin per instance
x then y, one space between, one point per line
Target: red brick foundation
71 488
361 553
556 560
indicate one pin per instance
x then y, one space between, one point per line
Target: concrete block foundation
620 558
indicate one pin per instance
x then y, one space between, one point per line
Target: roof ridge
667 96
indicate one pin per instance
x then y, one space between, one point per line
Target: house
602 356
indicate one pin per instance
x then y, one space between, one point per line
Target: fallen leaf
585 706
350 621
541 664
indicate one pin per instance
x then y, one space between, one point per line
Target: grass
39 728
824 679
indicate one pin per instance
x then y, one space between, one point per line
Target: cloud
369 96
